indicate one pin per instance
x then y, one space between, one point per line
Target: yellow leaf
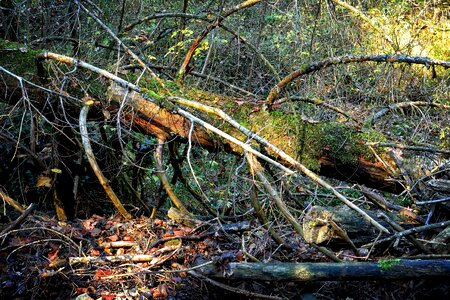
57 171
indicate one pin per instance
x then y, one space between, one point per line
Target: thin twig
409 232
19 220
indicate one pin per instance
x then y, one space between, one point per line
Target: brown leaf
113 238
128 238
44 181
102 273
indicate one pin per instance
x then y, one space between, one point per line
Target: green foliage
372 135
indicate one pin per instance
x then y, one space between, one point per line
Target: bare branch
346 59
161 173
90 155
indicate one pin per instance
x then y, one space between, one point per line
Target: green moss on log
18 58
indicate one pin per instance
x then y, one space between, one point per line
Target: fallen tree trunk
383 270
157 121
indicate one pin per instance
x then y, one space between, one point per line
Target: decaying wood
399 228
404 212
407 147
385 269
363 171
277 151
150 110
152 258
256 170
183 217
440 242
318 226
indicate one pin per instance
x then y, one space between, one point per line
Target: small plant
386 264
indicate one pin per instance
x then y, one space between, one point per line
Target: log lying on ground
154 119
158 121
336 225
384 269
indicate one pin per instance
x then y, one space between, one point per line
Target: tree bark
384 269
158 121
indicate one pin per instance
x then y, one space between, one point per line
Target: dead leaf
108 296
94 252
113 238
102 273
53 254
44 181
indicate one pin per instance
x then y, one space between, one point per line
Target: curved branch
90 155
346 59
166 116
184 67
161 173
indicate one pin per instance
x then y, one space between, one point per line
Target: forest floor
113 258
